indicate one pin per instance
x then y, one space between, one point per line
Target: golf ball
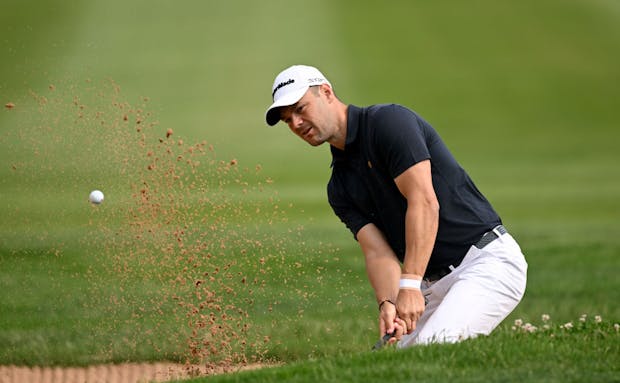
96 197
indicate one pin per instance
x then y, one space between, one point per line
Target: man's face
309 118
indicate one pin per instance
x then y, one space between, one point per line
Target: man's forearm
421 223
422 216
384 275
382 265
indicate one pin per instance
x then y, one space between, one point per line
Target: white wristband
410 284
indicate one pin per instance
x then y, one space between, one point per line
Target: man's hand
387 316
389 323
409 307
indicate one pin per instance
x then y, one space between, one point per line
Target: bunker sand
111 373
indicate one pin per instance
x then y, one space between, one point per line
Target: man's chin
315 143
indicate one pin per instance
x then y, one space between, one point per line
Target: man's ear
327 91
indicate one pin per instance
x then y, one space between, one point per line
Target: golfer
442 265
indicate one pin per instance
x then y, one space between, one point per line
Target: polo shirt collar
353 121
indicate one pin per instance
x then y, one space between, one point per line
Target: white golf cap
291 85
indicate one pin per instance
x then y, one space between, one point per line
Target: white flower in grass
545 317
598 319
567 326
529 327
518 322
583 318
546 327
617 326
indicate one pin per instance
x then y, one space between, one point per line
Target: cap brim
273 113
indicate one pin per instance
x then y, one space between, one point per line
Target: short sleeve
343 206
398 138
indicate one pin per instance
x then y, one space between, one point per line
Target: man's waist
434 273
437 272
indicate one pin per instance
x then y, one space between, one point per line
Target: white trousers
475 297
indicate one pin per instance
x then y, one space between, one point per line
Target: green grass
525 94
587 352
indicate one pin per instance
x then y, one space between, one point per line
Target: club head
383 341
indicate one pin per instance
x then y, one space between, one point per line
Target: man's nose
296 120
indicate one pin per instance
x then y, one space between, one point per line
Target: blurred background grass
525 94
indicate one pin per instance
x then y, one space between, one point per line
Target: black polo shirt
382 142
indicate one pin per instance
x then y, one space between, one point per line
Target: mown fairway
525 94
